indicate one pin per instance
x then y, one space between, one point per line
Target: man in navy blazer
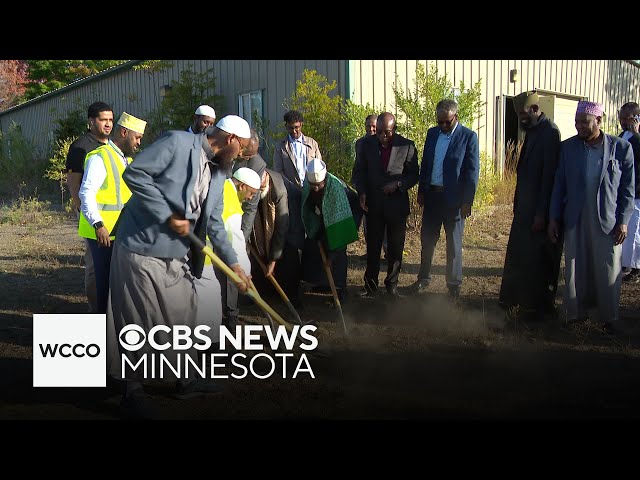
592 198
446 189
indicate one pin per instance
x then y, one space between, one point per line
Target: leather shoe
230 323
366 293
393 291
420 286
454 292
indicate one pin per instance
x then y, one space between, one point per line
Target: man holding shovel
328 219
177 186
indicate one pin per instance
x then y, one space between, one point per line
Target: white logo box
79 341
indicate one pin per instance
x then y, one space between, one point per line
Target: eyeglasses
446 122
242 147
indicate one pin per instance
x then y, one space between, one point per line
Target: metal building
264 84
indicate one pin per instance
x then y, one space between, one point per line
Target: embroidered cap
132 123
590 108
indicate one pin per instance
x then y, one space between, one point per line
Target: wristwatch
98 225
399 183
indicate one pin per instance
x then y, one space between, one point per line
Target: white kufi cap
206 110
316 170
248 176
235 125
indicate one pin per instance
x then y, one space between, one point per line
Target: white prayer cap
248 176
235 125
206 110
316 170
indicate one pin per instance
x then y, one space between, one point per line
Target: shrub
417 107
57 170
26 211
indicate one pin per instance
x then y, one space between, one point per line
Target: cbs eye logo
132 337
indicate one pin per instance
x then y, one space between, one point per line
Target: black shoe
633 276
393 292
197 388
421 286
370 289
366 293
454 293
136 406
230 323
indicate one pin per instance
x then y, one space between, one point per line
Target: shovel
327 269
275 283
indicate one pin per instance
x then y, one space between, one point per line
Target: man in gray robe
532 263
592 198
177 185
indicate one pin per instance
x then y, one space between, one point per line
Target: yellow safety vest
231 206
113 193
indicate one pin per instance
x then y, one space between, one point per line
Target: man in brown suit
294 152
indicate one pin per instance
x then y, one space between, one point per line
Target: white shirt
93 178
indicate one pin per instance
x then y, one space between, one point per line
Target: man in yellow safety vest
103 194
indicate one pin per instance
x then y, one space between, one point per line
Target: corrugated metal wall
611 82
138 91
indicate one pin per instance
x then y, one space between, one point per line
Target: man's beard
264 193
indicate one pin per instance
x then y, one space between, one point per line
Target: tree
353 119
322 118
417 108
13 78
47 75
72 125
175 112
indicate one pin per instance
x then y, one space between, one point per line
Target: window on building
250 104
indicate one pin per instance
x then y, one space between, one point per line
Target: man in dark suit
386 168
532 262
448 181
628 116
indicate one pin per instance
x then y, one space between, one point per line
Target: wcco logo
69 350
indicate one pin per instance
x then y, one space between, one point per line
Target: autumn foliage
13 74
